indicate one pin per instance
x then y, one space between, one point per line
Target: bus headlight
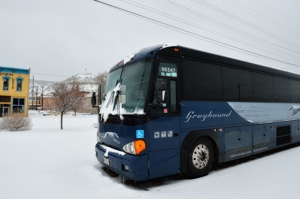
135 147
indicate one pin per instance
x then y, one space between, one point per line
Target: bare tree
80 103
66 95
100 80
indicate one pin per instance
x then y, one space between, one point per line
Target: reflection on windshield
128 91
134 84
112 80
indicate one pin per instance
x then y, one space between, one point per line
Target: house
14 87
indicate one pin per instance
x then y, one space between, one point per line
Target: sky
46 162
58 39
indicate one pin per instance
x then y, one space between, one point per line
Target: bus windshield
126 89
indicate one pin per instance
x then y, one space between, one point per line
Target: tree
66 95
80 103
100 80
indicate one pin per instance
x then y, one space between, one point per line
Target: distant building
14 89
35 98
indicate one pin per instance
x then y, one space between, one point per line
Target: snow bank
48 163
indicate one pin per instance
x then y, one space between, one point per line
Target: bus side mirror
162 96
93 99
162 93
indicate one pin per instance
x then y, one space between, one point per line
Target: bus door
164 152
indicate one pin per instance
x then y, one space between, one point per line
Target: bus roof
137 55
152 51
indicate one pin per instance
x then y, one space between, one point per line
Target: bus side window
173 102
165 97
161 85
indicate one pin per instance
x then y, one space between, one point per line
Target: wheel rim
200 156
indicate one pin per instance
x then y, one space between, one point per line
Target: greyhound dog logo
294 110
112 136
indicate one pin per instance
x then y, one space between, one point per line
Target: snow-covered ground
47 162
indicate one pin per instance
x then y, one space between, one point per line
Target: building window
19 84
34 98
5 83
18 105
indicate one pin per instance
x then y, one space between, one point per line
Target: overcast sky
61 38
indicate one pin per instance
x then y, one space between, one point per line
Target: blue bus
175 110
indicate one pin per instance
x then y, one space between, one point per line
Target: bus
172 110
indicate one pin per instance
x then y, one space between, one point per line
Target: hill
87 83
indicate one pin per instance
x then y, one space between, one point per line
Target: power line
50 75
190 33
228 27
194 13
286 28
253 26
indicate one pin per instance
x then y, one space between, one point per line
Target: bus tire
200 158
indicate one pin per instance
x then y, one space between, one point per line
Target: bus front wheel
200 158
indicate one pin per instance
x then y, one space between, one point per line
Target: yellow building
14 89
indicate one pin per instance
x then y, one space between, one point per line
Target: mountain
86 80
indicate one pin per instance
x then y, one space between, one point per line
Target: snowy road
47 162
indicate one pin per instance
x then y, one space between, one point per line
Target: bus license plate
106 160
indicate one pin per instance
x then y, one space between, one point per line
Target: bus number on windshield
170 71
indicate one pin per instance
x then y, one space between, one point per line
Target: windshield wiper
116 99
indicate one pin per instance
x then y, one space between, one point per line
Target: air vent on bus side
283 135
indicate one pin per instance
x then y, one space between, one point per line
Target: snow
108 149
130 55
46 162
168 45
108 105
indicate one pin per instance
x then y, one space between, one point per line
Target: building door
5 111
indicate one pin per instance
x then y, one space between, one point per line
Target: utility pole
99 95
32 91
42 98
36 94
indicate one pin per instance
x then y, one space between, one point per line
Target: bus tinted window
236 84
295 90
202 80
262 87
214 82
282 90
173 94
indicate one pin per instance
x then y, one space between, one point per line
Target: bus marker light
176 49
218 129
139 146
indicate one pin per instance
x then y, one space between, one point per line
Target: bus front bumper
129 166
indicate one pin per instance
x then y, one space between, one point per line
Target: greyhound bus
175 110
